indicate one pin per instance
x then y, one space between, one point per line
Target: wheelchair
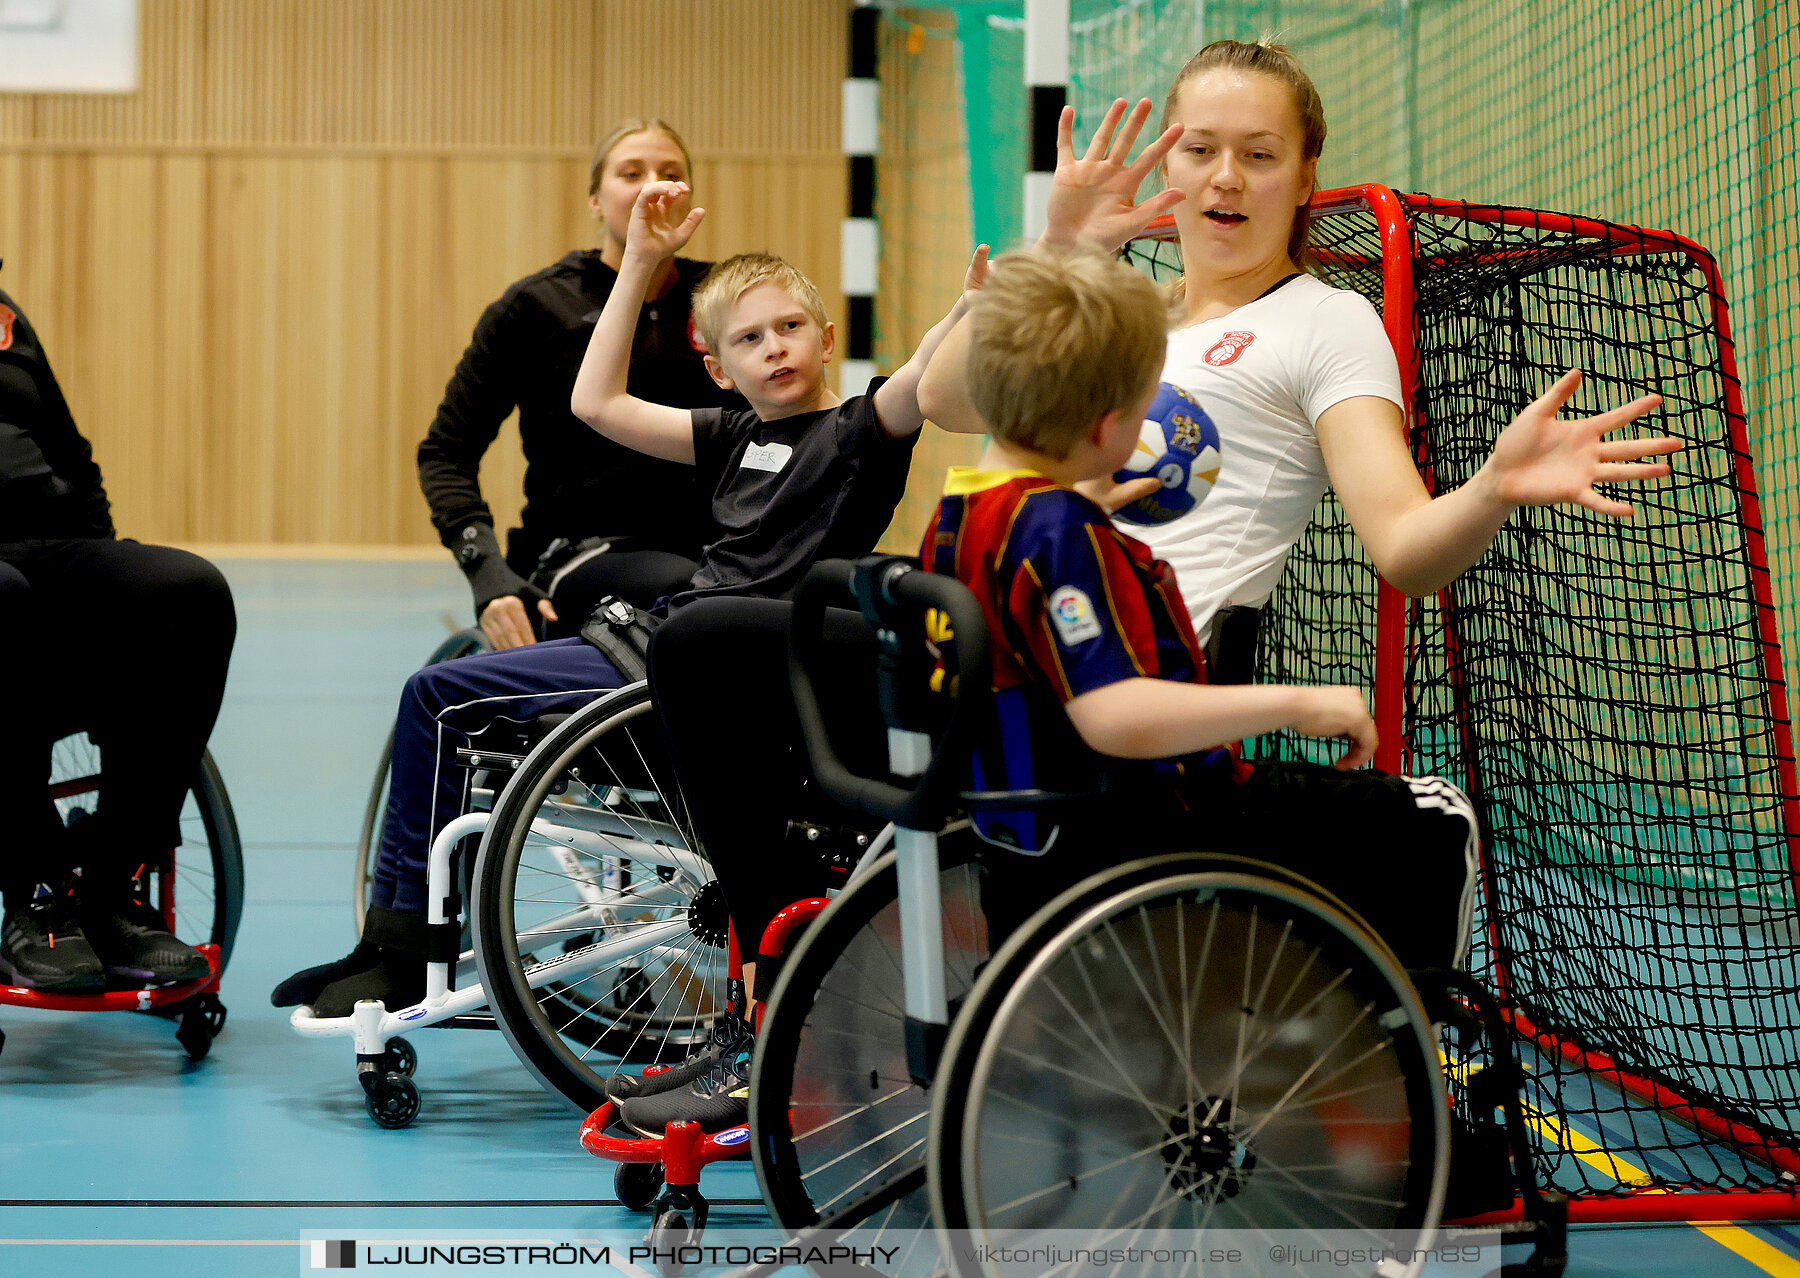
559 559
198 888
1180 1042
599 931
593 932
661 1174
595 935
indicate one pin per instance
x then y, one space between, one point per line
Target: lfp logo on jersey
1227 348
1072 612
7 316
1179 446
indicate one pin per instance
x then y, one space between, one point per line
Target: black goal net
1607 691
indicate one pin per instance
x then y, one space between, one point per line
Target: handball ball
1179 446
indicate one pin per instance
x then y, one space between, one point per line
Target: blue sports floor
118 1156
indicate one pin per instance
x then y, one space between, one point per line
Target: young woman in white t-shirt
1298 376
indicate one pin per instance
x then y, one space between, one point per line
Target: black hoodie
49 485
526 351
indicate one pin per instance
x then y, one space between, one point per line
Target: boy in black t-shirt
802 476
791 466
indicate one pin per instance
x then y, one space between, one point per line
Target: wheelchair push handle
893 593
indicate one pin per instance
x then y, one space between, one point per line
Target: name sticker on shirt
1072 613
769 457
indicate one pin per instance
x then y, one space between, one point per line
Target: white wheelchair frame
586 840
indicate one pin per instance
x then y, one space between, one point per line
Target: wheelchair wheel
1174 1047
200 889
599 932
834 1114
463 643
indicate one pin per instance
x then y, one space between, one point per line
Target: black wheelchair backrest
894 595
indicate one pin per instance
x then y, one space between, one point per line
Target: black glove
490 576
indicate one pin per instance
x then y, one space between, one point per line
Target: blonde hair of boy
729 280
1058 339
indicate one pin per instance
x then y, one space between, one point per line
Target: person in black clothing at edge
600 519
71 594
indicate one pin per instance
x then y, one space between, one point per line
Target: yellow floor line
1764 1255
1734 1238
1594 1155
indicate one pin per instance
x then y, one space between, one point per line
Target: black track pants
129 643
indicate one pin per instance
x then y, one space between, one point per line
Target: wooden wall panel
255 275
493 73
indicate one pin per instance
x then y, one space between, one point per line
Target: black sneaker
717 1099
396 981
42 947
306 985
133 945
729 1036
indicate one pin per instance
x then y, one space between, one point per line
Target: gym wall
255 274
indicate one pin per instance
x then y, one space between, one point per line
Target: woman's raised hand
1541 459
1094 198
659 228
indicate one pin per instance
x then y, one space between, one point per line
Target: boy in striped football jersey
1096 673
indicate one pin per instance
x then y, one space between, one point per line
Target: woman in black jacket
84 618
582 491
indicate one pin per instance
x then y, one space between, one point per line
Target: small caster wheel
393 1101
195 1033
398 1058
638 1184
669 1232
214 1013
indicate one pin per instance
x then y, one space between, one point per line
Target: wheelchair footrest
147 999
682 1150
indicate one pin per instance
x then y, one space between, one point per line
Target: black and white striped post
1047 87
860 245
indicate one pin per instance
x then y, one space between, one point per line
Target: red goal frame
1393 213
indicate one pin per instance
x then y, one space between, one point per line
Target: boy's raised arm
599 398
944 387
898 403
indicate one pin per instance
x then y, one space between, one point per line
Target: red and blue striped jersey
1072 604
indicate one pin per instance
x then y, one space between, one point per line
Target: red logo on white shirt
7 316
1228 348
